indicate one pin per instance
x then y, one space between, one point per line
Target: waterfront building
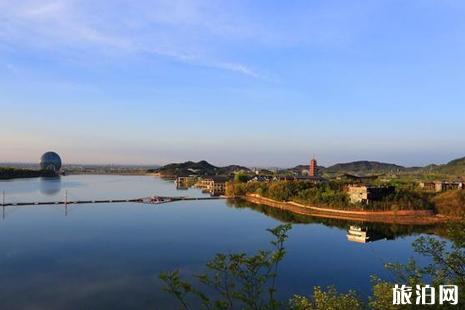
50 161
364 194
441 186
215 185
185 182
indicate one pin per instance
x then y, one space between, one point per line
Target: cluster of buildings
359 191
213 185
441 186
216 185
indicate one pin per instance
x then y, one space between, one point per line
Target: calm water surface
109 255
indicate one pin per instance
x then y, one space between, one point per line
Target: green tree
447 267
240 281
241 177
328 299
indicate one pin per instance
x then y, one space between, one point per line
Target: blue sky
265 83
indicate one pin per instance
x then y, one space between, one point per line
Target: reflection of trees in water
50 186
389 231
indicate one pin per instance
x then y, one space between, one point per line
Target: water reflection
372 231
363 234
50 186
108 256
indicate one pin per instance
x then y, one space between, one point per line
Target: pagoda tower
312 171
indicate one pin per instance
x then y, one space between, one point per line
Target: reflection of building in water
50 186
215 185
185 182
364 234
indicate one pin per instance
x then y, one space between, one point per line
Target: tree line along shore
330 199
7 173
328 194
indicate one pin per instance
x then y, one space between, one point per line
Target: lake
110 255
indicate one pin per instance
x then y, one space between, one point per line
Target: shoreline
402 217
25 174
120 173
76 173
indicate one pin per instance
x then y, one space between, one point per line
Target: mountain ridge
361 167
202 167
364 166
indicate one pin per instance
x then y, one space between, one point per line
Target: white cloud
236 68
180 29
45 10
209 33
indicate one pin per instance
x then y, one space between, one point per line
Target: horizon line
245 165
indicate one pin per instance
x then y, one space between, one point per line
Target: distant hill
197 168
363 168
455 167
231 169
456 162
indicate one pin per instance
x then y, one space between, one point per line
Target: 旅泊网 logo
425 295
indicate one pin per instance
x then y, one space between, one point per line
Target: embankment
404 217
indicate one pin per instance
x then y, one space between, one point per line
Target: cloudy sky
266 83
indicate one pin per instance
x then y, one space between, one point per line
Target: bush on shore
331 194
450 203
403 200
14 173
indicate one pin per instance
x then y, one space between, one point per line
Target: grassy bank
450 203
330 195
401 217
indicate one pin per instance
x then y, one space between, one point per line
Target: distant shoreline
12 173
38 174
402 217
132 173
